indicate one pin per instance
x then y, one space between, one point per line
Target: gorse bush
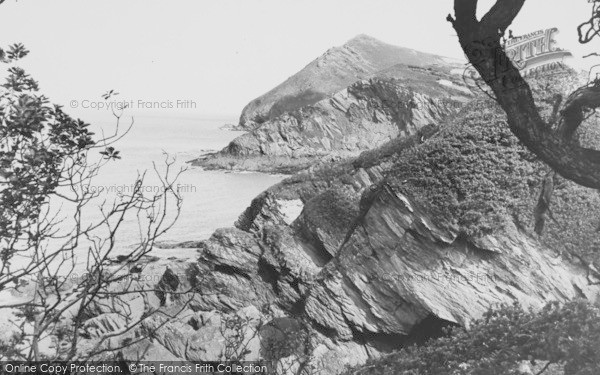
474 177
564 338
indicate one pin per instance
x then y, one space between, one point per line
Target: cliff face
335 70
364 256
363 116
353 98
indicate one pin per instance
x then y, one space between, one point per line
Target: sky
214 56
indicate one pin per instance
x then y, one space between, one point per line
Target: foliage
238 335
287 344
37 139
474 174
563 335
332 211
476 177
44 157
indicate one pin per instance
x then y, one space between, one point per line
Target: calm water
211 199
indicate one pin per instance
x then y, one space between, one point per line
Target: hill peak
364 38
339 67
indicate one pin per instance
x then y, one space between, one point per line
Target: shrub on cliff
558 338
473 174
476 178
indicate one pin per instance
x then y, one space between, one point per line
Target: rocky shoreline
409 209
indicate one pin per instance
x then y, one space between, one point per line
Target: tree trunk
480 40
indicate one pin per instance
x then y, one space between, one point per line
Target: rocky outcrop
367 255
363 116
353 98
335 70
398 268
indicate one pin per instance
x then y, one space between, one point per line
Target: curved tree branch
579 102
588 30
480 40
502 13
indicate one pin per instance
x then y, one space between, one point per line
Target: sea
210 199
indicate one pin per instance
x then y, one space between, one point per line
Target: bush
476 178
566 336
